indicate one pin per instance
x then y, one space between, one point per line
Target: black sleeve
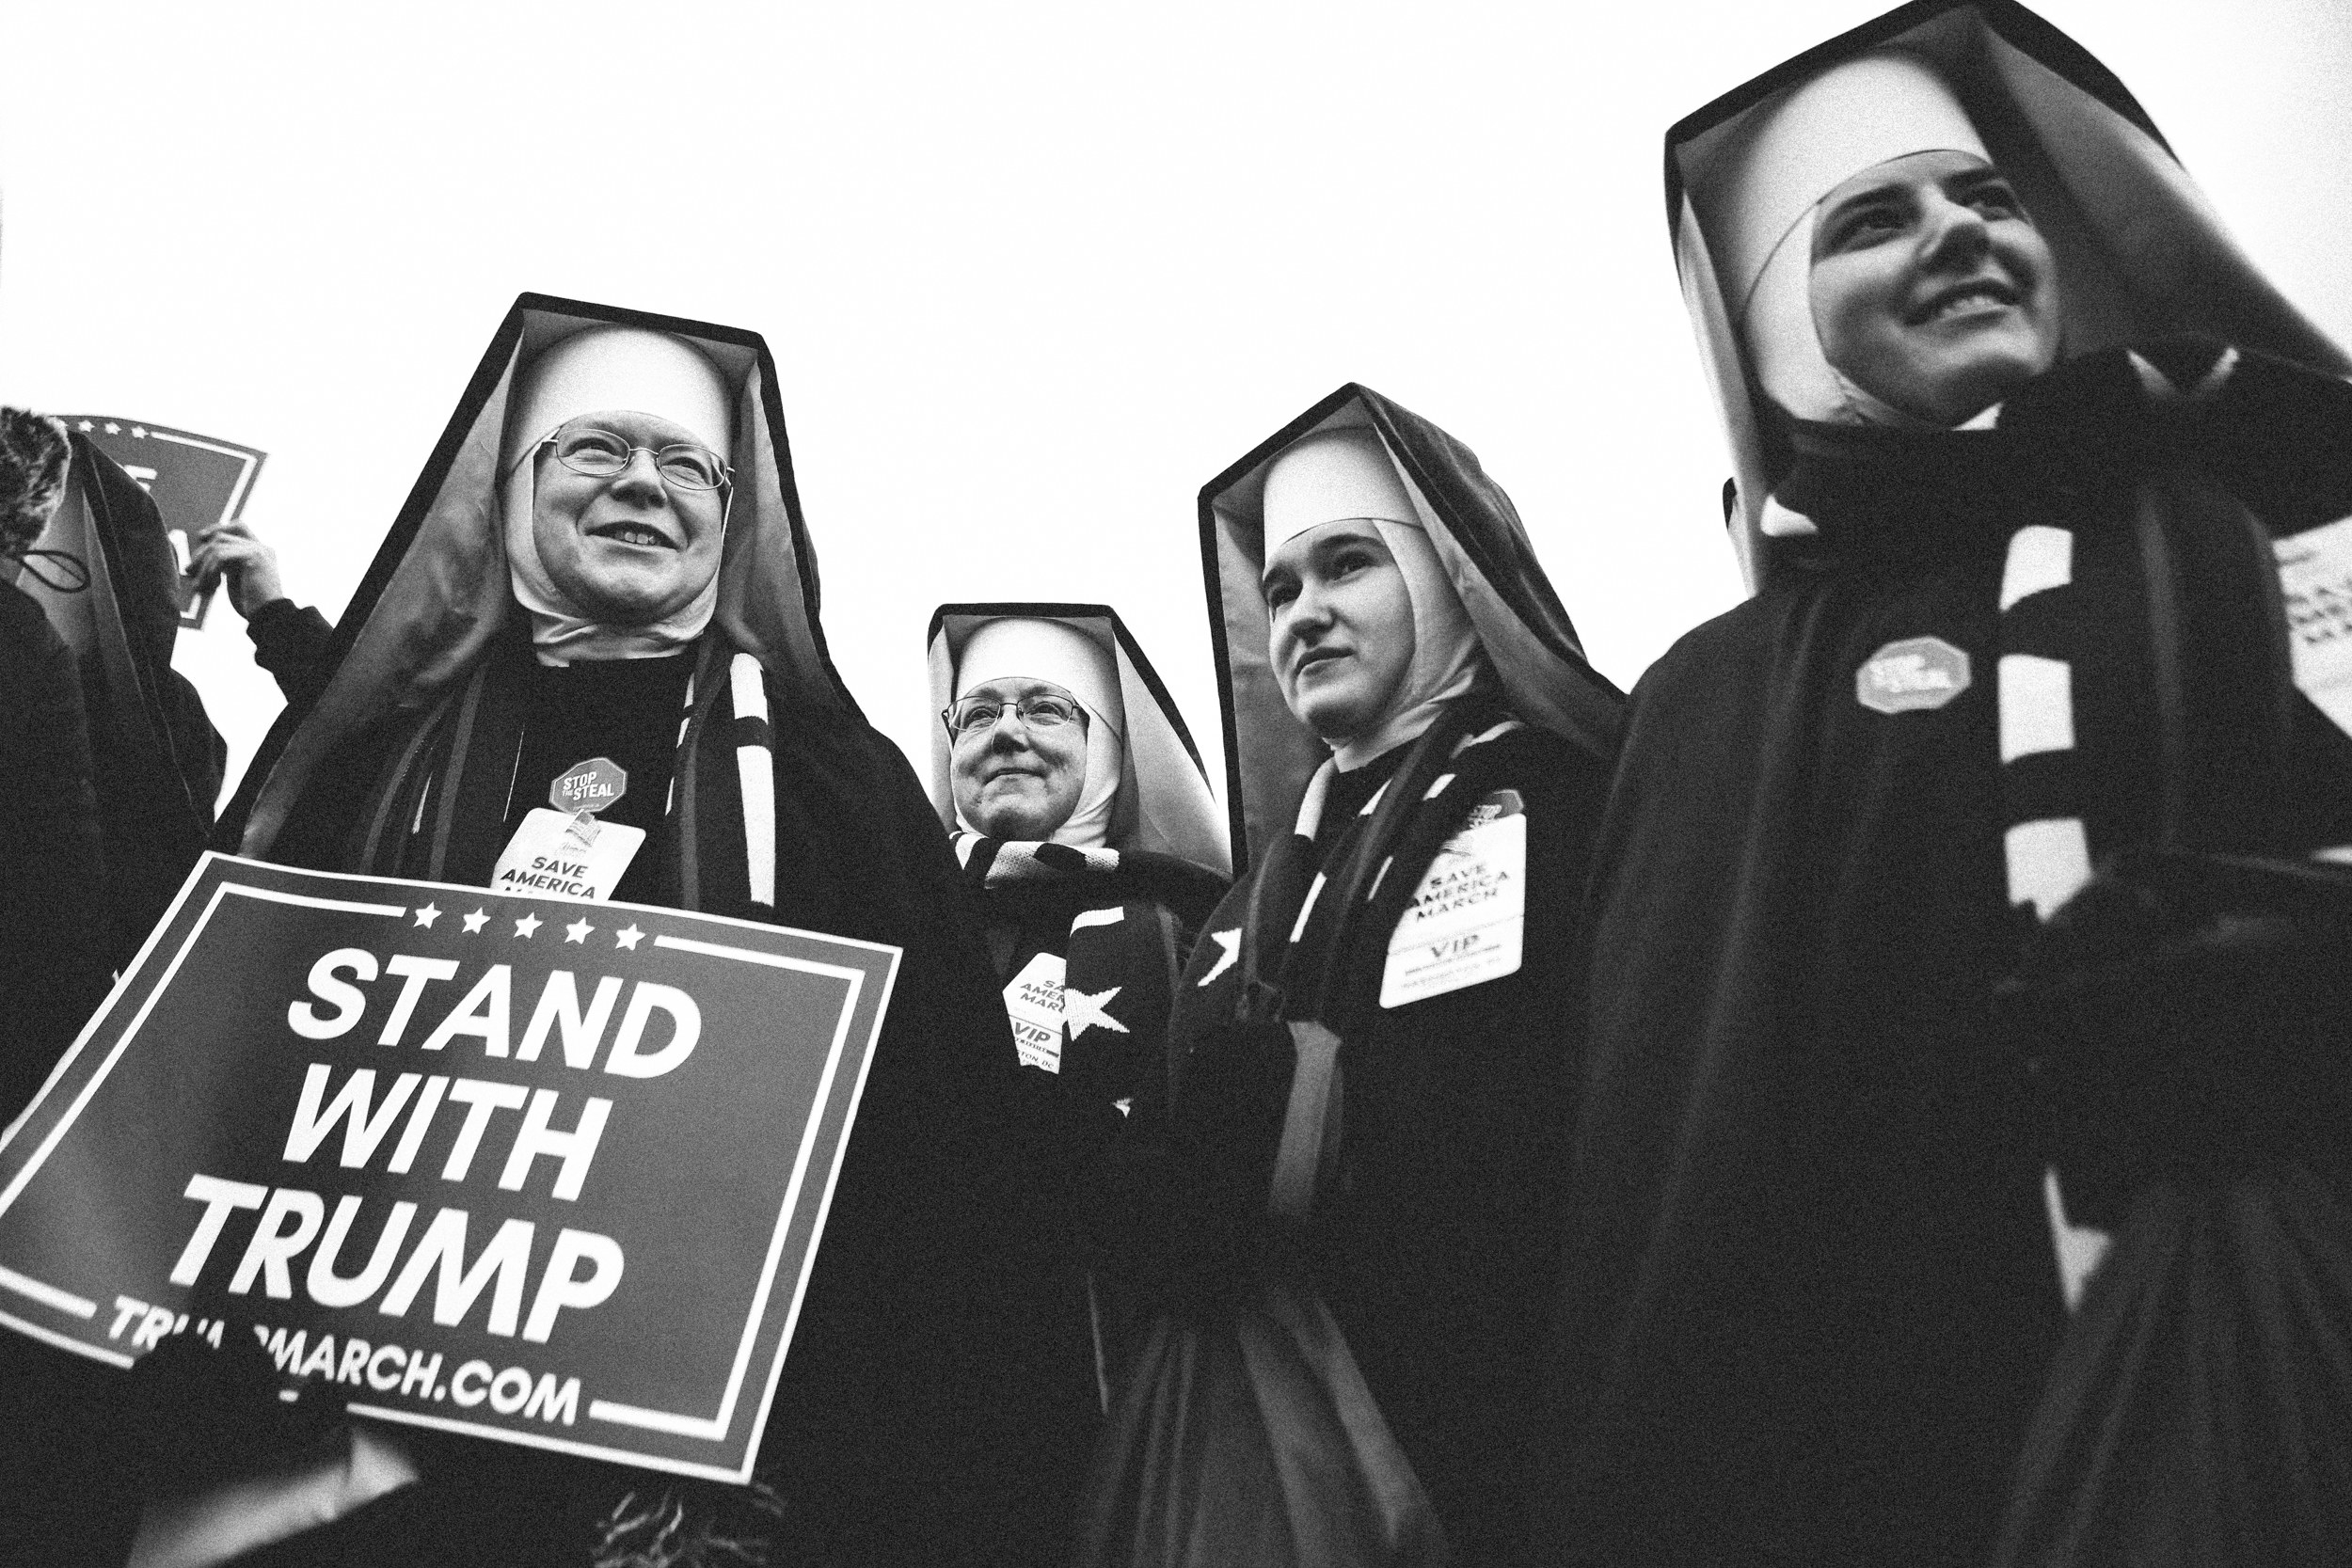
51 968
291 644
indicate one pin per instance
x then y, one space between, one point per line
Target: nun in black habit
2015 430
1374 1047
605 558
1083 819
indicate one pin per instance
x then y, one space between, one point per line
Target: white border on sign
711 1429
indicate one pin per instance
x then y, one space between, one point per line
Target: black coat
53 968
1435 1239
1809 1290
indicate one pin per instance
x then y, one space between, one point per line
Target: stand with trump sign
543 1171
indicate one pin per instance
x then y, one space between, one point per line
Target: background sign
195 480
548 1172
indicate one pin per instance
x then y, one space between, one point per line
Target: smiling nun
1084 821
1374 1043
606 562
2015 428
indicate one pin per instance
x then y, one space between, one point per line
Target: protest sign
196 481
543 1171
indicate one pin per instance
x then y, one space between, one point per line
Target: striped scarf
1307 957
437 810
999 863
2144 687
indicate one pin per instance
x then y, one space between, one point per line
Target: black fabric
291 644
52 971
1080 1327
53 974
625 710
1434 1239
157 759
1809 1291
1811 1295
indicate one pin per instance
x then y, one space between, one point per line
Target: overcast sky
1032 274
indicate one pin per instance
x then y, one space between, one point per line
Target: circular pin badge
590 786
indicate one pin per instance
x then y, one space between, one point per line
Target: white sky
1032 273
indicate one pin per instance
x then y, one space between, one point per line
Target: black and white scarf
1305 966
437 809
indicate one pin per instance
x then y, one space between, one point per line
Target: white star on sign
427 915
140 431
578 931
1231 943
1082 1010
525 926
475 921
113 428
87 426
628 937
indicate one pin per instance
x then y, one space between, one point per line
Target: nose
1308 614
640 477
1953 232
1010 739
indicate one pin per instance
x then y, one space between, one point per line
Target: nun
1374 1044
1083 819
1924 866
606 559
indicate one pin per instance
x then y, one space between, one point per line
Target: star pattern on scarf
1082 1010
1231 943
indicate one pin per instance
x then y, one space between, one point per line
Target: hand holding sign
229 552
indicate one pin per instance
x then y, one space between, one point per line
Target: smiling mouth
633 534
1965 298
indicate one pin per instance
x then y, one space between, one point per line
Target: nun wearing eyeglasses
1083 819
606 559
1976 841
1374 1043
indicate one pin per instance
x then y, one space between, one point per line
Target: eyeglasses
600 455
978 715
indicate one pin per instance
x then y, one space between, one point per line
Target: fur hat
33 459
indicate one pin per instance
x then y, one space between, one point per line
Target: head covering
1345 475
1767 191
1482 557
437 597
2138 254
604 369
1159 800
1032 648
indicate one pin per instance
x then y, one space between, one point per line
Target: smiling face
1339 628
628 549
1932 288
1011 781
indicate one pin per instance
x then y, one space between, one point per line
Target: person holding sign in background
1374 1044
289 641
1973 843
157 760
1083 819
587 663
